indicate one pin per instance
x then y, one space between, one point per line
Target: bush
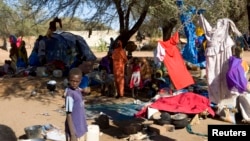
150 46
102 46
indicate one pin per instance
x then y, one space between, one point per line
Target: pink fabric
189 103
19 41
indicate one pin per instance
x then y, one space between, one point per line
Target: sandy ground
19 109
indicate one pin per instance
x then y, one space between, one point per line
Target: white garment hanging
217 53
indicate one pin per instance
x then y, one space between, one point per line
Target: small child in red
135 81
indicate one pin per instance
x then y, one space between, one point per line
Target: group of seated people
135 77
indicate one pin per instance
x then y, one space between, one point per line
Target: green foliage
166 11
102 46
28 17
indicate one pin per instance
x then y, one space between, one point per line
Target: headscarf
12 39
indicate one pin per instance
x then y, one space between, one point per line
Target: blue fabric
62 47
236 75
117 112
84 82
33 59
201 61
20 63
190 52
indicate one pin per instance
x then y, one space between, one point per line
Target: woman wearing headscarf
13 52
119 60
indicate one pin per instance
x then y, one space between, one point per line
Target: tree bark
248 13
125 32
167 29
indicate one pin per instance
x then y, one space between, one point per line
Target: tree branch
128 13
120 14
141 18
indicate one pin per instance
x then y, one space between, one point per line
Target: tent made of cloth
63 46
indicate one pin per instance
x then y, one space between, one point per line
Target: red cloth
189 103
175 64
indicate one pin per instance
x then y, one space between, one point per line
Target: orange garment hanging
119 60
175 64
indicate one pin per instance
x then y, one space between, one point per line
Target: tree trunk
125 32
168 28
248 13
166 31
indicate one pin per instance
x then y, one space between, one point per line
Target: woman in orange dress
119 60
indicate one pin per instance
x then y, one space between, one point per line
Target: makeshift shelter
63 47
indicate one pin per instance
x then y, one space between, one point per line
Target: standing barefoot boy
75 124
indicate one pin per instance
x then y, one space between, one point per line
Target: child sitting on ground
159 82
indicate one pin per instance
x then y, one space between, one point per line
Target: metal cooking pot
33 132
51 85
180 120
38 139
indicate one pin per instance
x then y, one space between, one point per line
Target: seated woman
238 84
106 63
237 74
106 71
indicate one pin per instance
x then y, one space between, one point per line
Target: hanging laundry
174 62
218 51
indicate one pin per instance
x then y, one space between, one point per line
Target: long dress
217 53
119 60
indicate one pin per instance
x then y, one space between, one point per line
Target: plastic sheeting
116 112
191 53
63 47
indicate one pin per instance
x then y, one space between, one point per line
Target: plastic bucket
33 132
93 133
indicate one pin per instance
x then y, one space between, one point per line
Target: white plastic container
93 133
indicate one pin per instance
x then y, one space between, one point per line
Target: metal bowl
179 116
33 132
